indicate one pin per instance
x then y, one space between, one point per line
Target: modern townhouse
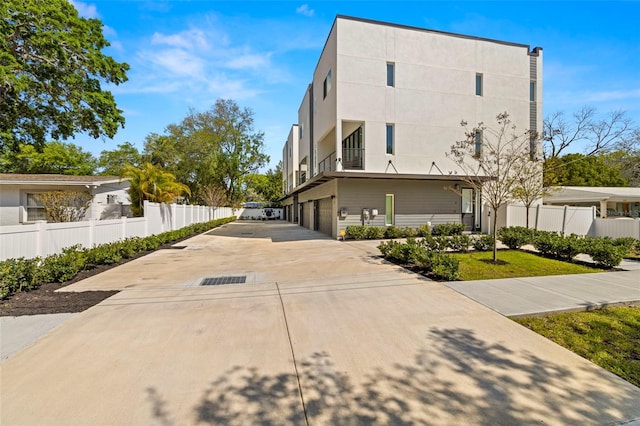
381 113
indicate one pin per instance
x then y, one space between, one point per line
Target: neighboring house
19 202
381 113
609 201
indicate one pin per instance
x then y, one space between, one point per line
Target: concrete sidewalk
516 297
324 332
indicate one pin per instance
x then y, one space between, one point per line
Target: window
301 131
532 91
389 138
35 209
533 149
112 199
326 86
478 144
388 211
353 150
478 84
390 74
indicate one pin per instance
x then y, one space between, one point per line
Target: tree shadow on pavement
456 378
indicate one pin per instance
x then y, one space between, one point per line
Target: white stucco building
383 109
19 201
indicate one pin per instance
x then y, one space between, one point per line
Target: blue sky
187 54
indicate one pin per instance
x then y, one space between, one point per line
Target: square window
389 138
478 84
390 74
35 209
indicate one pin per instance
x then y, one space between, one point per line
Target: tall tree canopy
583 170
111 163
51 67
586 130
212 151
265 187
55 157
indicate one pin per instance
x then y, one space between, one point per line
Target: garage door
325 215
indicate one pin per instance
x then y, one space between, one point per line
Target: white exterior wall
304 142
324 109
290 160
14 200
434 90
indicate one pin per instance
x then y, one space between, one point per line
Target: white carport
611 201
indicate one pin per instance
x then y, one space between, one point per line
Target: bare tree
65 206
214 195
597 136
529 186
490 160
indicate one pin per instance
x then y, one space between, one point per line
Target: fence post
564 219
123 222
43 241
92 232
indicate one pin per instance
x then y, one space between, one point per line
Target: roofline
95 183
410 27
533 52
324 177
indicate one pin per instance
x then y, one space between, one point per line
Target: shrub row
417 254
361 232
26 274
428 254
605 251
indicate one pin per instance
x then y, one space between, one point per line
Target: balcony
328 164
353 158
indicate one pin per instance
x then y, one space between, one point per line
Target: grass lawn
609 337
514 263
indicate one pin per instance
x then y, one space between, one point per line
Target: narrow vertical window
326 86
478 144
389 138
532 91
478 84
301 131
390 74
533 149
389 210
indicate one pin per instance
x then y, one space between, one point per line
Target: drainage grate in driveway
224 280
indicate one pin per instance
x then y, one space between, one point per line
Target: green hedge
419 254
605 252
27 274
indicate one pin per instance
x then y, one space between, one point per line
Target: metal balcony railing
328 164
353 158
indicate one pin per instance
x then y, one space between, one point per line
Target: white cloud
84 9
190 39
249 61
179 63
305 11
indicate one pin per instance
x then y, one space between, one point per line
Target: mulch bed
45 299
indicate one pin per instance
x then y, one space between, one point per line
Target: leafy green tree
55 157
111 163
217 148
582 170
265 187
51 67
149 182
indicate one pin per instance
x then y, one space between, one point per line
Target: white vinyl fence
569 220
44 239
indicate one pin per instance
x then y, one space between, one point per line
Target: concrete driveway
322 332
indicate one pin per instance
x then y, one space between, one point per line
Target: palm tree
149 182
